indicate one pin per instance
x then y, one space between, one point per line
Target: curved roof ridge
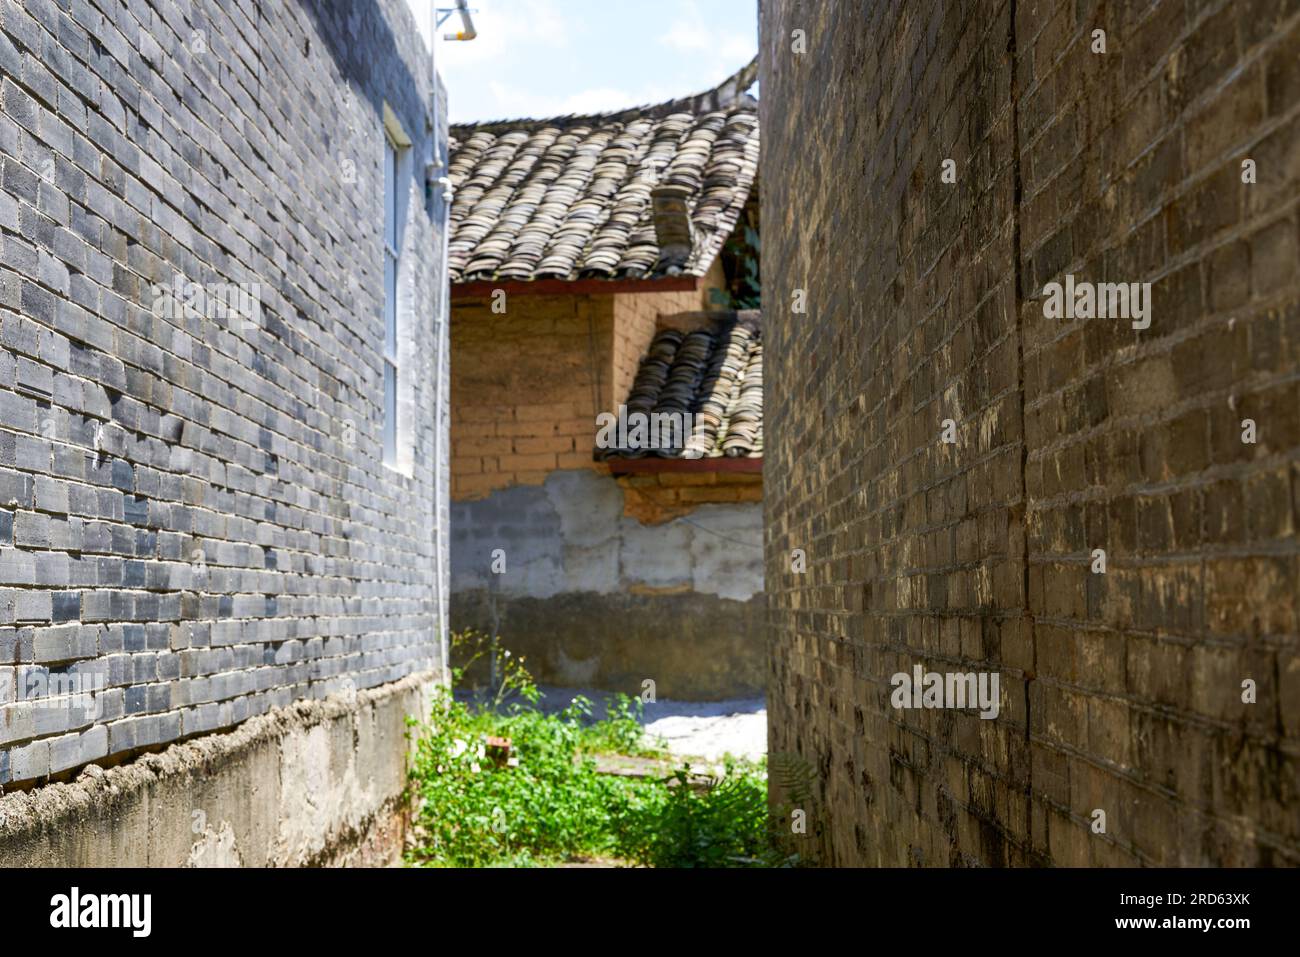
728 94
708 364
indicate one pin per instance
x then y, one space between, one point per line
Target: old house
222 465
597 264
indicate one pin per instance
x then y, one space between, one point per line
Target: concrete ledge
319 783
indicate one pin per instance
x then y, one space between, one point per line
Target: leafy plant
479 663
741 255
694 821
793 777
620 731
473 812
547 801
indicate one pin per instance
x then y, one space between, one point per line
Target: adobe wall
529 377
607 582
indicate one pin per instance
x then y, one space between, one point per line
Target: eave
486 288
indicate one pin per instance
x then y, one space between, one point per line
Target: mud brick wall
528 382
195 520
607 581
1120 691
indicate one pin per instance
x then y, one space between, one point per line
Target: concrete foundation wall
595 598
317 783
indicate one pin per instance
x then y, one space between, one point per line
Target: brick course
662 496
194 510
528 383
1120 691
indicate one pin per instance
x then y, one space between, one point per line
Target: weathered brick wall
599 582
528 382
194 512
661 496
1120 691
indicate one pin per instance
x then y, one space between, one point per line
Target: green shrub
548 802
720 821
473 812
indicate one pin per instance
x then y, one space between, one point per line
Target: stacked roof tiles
716 375
570 198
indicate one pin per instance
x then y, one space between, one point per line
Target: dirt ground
705 729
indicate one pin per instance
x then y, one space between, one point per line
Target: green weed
542 800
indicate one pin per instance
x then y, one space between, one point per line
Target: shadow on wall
595 599
373 52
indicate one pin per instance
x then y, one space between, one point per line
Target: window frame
392 270
395 446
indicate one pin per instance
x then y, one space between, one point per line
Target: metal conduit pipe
467 32
436 164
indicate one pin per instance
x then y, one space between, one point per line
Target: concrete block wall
1121 691
594 598
319 783
196 524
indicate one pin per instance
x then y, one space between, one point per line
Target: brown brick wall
525 383
522 389
662 496
1120 691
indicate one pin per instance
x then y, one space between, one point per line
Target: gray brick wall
1121 691
196 524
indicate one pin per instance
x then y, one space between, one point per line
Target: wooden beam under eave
652 464
483 289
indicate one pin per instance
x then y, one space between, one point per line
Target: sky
539 58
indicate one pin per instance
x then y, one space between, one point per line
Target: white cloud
689 33
503 27
528 103
725 52
686 35
505 31
536 58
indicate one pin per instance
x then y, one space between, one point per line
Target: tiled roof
570 198
715 373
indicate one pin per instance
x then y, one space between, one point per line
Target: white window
392 260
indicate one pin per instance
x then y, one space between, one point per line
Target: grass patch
544 801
